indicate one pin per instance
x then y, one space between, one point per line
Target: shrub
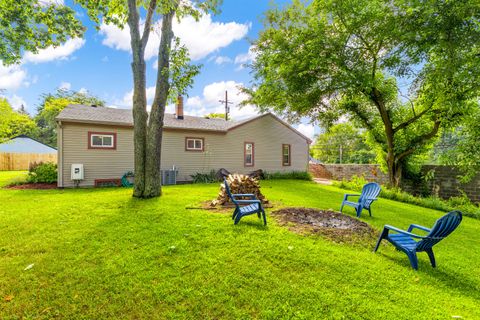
205 177
42 172
296 175
461 203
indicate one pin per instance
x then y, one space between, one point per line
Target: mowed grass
99 253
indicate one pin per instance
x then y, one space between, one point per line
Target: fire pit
330 224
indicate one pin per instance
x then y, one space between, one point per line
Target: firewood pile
238 183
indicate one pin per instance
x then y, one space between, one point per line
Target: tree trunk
394 170
155 126
391 159
139 111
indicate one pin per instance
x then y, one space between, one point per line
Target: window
102 140
286 154
249 154
193 144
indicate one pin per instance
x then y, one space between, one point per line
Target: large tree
401 69
13 123
52 104
174 74
30 25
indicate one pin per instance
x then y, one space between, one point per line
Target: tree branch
133 20
148 22
419 140
411 120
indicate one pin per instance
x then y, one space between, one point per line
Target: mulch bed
330 224
42 186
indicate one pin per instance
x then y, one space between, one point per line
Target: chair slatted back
442 228
227 188
369 191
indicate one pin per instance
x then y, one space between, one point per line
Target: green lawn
98 253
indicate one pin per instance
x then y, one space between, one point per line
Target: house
101 139
21 151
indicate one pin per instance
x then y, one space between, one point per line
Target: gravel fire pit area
333 225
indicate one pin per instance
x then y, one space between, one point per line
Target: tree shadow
447 277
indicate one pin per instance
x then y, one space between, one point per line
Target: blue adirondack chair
405 240
369 194
245 207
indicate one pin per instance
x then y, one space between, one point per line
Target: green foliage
325 59
30 25
181 72
14 123
215 116
52 104
144 258
342 143
42 172
295 175
205 177
461 203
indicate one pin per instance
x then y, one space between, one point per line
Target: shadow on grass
447 277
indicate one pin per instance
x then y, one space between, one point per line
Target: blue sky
100 62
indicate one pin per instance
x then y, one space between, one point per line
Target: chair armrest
249 201
413 226
413 235
346 195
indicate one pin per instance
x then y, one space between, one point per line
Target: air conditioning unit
169 177
77 172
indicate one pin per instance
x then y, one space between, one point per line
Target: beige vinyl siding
227 150
97 163
221 150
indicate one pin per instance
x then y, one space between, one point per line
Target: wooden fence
21 161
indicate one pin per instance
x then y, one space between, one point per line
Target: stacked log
239 183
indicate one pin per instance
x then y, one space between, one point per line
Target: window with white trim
100 140
249 154
194 144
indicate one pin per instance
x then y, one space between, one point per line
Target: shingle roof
124 117
104 115
25 144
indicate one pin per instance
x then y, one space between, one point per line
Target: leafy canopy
30 25
52 104
13 123
401 69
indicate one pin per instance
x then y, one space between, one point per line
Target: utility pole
227 108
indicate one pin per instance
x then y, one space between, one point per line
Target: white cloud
244 58
127 100
222 60
205 36
16 102
307 129
205 104
11 77
61 52
83 91
200 37
65 86
209 102
105 59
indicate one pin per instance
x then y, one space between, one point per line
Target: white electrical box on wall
77 171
